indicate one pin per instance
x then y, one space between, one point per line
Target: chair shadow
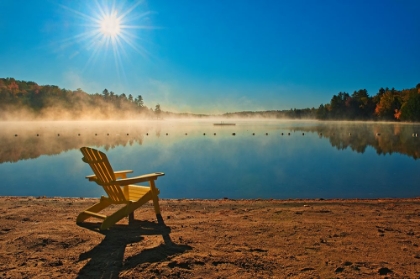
107 258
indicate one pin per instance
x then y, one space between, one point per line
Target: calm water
317 159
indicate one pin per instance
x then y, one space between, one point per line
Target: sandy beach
213 239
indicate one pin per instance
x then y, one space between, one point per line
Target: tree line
386 105
307 113
28 100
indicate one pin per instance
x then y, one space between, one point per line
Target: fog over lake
252 159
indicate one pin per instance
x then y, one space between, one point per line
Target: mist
251 159
22 140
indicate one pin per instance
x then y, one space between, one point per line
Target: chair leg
116 216
124 212
155 197
131 218
103 203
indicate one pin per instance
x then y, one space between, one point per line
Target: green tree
360 105
139 101
322 112
410 110
158 111
105 93
338 105
123 97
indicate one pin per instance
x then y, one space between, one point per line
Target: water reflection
29 140
384 138
204 161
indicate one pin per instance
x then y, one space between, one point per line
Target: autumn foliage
387 104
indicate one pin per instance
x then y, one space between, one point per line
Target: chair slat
104 173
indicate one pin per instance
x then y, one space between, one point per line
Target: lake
253 159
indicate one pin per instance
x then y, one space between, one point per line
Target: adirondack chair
119 189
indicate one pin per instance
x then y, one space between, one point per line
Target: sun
110 25
109 29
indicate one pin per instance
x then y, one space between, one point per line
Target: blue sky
215 56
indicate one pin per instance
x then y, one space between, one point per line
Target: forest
386 105
26 100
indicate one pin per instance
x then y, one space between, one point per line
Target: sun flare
110 25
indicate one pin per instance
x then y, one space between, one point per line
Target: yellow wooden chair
119 189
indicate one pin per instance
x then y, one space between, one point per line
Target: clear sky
214 56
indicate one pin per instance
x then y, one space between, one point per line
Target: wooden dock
224 124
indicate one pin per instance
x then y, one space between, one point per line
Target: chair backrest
104 173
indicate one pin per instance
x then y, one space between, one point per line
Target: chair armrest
122 173
138 179
91 177
118 174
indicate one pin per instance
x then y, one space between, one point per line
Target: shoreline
226 199
223 238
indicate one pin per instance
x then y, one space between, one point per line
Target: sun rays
109 28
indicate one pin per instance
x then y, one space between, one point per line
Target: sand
213 239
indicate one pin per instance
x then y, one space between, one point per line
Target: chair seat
134 192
